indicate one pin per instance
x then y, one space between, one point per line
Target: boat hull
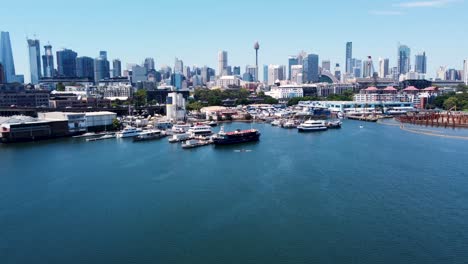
315 129
235 141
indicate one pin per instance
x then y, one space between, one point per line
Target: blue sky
194 31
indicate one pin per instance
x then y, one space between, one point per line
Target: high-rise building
420 64
368 67
252 70
34 60
149 64
236 70
116 68
311 68
138 74
296 74
66 63
48 62
222 62
265 74
441 73
85 67
101 67
6 57
276 73
356 66
404 54
187 72
349 56
178 66
2 74
465 71
292 60
384 67
326 65
337 71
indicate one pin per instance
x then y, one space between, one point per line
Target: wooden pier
437 119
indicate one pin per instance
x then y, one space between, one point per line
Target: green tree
116 124
451 102
140 97
195 106
60 87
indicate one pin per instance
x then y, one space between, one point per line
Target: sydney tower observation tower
256 47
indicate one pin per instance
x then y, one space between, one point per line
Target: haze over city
196 31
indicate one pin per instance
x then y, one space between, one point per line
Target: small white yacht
200 130
312 125
128 132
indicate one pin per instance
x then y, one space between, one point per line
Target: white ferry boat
200 130
180 128
179 137
128 132
312 125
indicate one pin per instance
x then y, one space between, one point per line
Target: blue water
371 195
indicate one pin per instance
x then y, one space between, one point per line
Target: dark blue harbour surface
371 195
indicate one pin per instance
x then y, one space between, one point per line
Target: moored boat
179 137
200 130
194 143
149 135
128 132
236 137
334 124
312 125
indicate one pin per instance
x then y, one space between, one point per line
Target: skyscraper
66 63
2 74
311 68
368 67
292 60
356 66
276 73
420 65
465 71
384 67
48 62
34 60
296 74
85 67
326 65
404 54
101 67
265 73
222 62
349 56
178 66
337 71
116 68
6 57
149 64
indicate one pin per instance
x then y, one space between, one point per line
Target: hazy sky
194 31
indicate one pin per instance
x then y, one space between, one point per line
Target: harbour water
375 194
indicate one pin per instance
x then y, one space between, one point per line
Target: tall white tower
465 71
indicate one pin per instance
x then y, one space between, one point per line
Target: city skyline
201 48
